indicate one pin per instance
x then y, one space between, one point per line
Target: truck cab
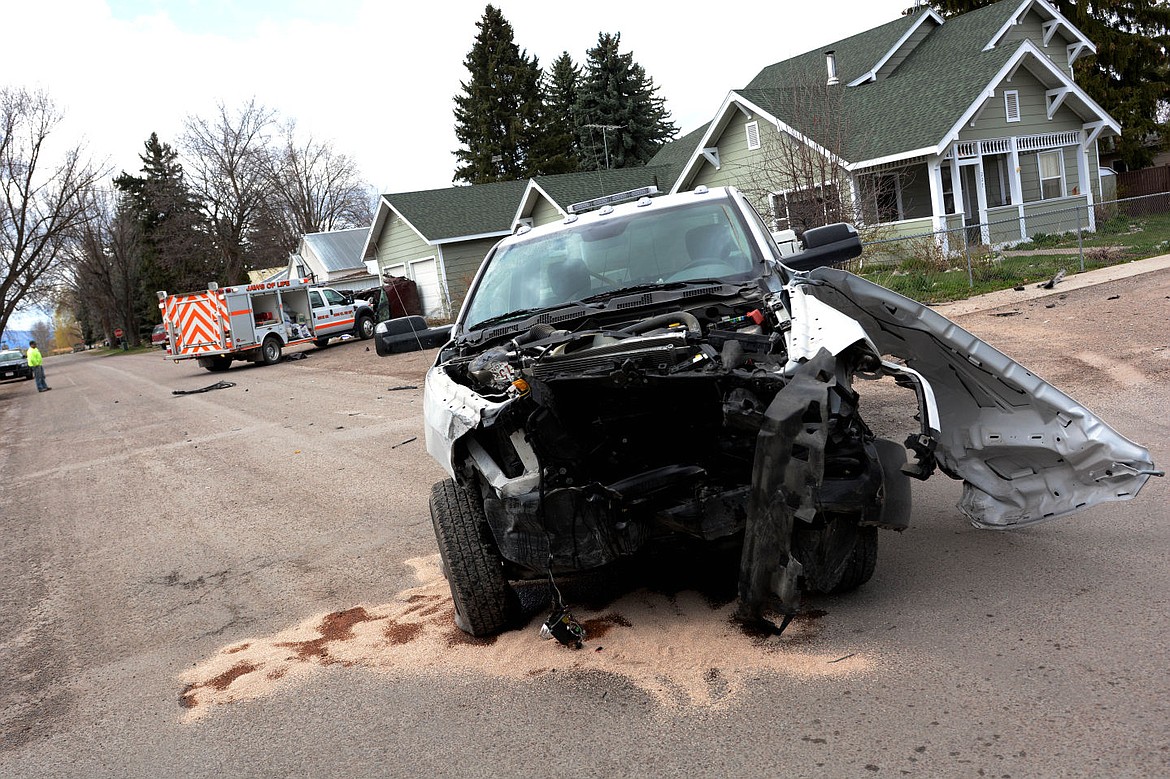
334 316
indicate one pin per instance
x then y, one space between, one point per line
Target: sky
374 78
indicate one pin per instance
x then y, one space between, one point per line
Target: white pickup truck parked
255 322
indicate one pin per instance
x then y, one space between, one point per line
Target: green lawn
918 270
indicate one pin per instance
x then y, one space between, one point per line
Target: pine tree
556 148
176 252
1129 75
622 122
497 116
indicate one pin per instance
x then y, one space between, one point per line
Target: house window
804 208
1011 105
888 198
1051 164
948 190
753 135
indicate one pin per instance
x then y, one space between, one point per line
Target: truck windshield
704 240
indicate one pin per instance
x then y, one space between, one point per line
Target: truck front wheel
270 351
485 602
365 327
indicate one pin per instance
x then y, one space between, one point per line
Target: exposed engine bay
611 435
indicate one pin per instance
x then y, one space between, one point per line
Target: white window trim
752 130
1011 99
1060 161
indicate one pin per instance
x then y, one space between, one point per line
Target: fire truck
254 323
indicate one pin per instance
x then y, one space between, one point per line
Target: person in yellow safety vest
33 355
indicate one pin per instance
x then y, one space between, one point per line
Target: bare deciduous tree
108 265
227 159
799 178
317 188
42 199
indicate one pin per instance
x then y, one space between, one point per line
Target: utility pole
604 140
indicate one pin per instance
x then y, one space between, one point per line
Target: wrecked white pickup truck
653 368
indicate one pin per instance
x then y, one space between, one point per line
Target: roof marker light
617 197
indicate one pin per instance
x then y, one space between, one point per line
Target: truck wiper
519 313
663 286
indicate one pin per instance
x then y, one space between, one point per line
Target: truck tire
838 555
485 602
321 343
270 351
219 364
365 327
862 562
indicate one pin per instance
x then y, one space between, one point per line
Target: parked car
658 368
13 365
158 336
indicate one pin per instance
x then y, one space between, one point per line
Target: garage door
426 275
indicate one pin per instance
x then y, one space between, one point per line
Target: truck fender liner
786 474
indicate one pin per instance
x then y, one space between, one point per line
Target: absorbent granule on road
679 648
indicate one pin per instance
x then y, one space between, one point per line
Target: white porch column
957 187
1083 181
1017 187
938 207
855 200
981 199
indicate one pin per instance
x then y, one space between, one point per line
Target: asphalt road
241 582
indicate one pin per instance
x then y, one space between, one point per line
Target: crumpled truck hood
1026 452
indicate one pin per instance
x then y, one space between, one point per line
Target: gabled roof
674 155
450 214
855 55
1056 21
919 104
454 213
337 250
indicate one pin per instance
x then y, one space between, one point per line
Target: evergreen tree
556 149
1129 75
622 122
177 254
498 114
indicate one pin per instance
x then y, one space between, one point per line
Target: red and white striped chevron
199 321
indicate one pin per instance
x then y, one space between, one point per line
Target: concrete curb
1007 297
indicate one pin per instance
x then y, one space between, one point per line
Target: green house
438 238
972 124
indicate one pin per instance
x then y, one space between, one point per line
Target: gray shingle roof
569 188
338 250
458 212
912 108
675 155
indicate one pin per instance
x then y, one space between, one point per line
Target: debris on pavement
208 388
1052 282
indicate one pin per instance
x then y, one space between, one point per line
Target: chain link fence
933 267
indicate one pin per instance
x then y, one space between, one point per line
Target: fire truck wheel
321 343
485 602
218 364
365 327
270 351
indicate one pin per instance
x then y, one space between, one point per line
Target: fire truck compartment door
243 327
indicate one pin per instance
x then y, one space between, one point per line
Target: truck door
198 321
331 314
243 326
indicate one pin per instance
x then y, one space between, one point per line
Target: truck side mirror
829 245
